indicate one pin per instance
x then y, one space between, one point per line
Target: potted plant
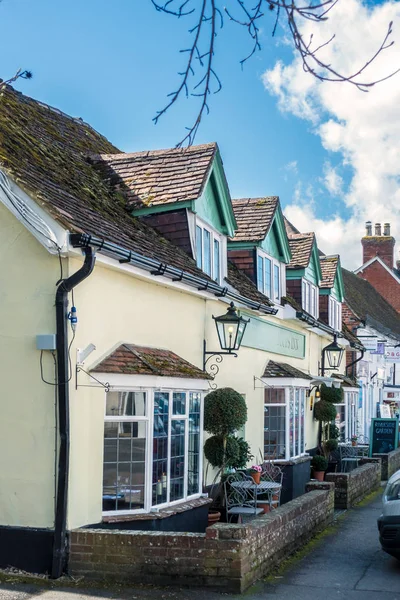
255 472
354 440
319 464
225 412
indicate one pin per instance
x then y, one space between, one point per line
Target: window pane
312 308
177 463
302 412
296 449
124 465
179 403
260 274
207 251
304 295
274 396
216 261
160 448
193 482
126 404
291 423
268 274
277 285
199 246
274 432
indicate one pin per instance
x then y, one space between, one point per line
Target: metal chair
274 473
239 501
348 456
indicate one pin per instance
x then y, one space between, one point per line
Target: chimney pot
378 229
386 229
368 228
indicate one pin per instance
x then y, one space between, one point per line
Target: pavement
346 562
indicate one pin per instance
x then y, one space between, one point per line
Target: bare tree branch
20 74
210 17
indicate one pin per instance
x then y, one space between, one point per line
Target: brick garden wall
390 463
227 557
352 487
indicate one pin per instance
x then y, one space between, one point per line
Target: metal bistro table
351 455
253 489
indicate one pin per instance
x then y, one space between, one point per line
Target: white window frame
149 419
335 314
214 236
296 451
261 286
309 291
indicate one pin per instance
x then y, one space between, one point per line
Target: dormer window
335 314
310 298
208 250
269 276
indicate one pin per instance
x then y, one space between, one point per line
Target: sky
330 152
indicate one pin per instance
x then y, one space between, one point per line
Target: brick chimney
378 244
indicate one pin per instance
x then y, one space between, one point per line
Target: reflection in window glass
207 251
193 482
179 403
124 467
125 404
268 275
177 462
216 261
277 284
160 447
260 274
199 246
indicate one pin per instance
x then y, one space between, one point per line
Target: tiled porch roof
254 217
244 285
157 177
129 359
328 267
346 381
274 369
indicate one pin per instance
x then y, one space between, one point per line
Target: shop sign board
392 354
384 436
369 343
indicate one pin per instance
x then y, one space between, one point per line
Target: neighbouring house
119 263
378 266
376 324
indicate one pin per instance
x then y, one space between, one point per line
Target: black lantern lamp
333 354
230 329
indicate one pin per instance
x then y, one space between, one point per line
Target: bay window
152 449
335 314
269 276
208 251
284 414
310 298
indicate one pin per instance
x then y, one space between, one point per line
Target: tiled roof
45 152
254 217
346 381
290 228
244 285
129 359
274 369
301 246
158 177
369 306
328 267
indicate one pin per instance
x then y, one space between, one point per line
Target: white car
389 521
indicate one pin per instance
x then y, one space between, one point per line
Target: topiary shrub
214 451
334 432
319 463
331 445
332 394
324 411
225 411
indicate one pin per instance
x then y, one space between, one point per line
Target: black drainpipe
355 362
59 546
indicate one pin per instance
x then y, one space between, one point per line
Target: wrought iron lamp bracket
213 367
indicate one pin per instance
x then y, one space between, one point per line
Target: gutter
157 268
315 323
59 546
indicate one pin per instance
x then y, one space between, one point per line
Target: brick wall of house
382 246
293 288
245 260
352 487
227 557
383 282
174 226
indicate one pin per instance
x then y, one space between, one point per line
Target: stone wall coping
294 461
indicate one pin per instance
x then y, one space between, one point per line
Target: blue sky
113 64
114 67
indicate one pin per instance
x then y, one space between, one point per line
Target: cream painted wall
28 274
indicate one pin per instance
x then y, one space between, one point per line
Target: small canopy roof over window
129 359
282 374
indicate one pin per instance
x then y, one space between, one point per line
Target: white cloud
363 127
291 167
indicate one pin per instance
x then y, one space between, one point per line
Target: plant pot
354 443
213 517
256 477
319 475
275 498
265 507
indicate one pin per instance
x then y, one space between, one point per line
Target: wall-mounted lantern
230 329
331 354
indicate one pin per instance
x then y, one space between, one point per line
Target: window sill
163 513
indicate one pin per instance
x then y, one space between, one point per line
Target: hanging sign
385 411
384 436
369 343
380 349
392 354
